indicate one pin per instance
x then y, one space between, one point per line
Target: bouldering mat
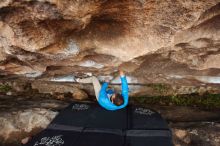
88 124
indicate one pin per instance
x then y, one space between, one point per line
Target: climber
107 98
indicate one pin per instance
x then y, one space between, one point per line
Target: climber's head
117 99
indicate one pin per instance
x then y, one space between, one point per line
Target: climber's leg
97 86
94 81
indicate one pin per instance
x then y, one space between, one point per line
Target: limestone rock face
25 121
154 41
25 116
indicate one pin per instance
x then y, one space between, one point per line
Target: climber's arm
124 87
102 92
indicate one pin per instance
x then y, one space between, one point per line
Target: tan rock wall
47 38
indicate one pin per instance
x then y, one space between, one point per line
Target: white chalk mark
208 79
204 79
71 49
117 80
103 78
130 80
90 63
33 74
68 78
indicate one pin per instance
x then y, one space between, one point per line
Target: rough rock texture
24 116
25 120
154 41
176 42
196 134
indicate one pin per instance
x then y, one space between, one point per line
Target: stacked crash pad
88 124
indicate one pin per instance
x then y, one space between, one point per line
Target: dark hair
118 100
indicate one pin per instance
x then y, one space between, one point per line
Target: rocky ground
23 116
26 108
196 134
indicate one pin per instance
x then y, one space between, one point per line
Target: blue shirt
106 103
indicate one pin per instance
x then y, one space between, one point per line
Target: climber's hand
107 80
121 72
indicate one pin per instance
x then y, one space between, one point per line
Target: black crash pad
88 124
